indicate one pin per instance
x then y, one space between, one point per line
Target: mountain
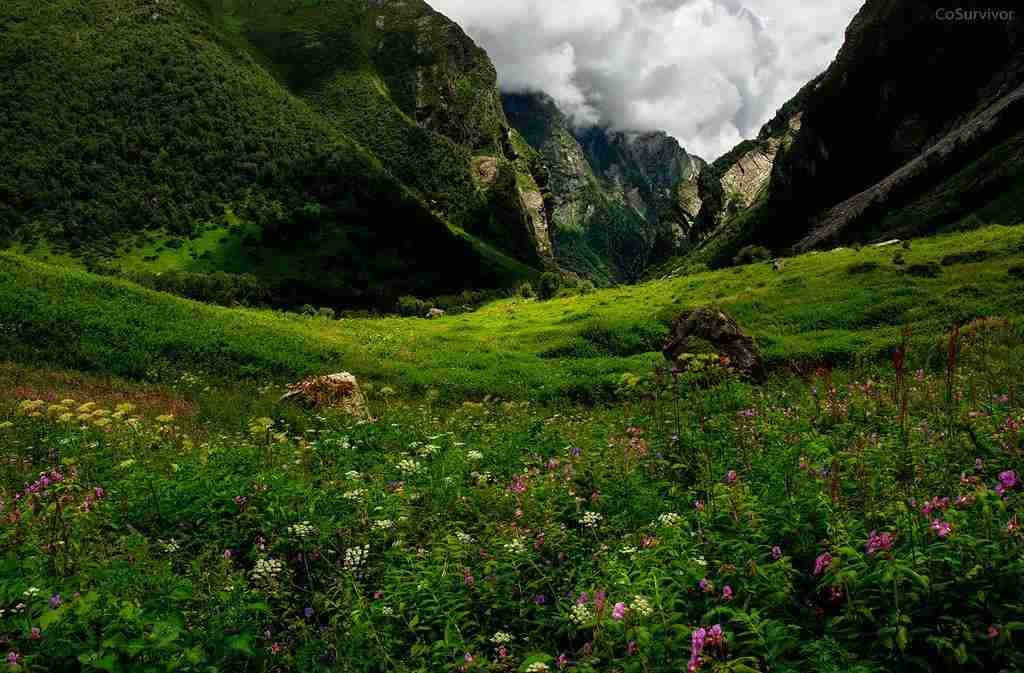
343 152
918 125
618 202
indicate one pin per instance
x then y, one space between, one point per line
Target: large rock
719 332
334 391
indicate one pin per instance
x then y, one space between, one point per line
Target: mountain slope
619 202
916 125
129 124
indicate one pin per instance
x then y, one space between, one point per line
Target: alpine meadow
408 336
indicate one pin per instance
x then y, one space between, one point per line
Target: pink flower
599 600
822 563
13 658
776 552
632 649
696 648
727 593
706 586
879 542
698 505
993 632
731 477
619 612
1013 525
34 633
1008 480
942 528
715 636
562 661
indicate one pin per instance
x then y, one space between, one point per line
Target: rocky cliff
914 126
619 202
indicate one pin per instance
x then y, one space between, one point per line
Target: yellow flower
66 418
84 418
87 408
101 422
5 425
29 407
125 408
67 403
166 418
56 410
100 413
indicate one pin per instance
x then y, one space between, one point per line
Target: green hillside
822 308
132 130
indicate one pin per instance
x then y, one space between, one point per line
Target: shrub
326 313
863 267
411 307
526 290
926 270
548 285
752 254
971 257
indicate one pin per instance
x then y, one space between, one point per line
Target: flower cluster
303 530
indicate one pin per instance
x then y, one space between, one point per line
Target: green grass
816 310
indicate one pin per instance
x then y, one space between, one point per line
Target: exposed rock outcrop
712 328
335 391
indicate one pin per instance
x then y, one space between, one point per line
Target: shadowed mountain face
619 202
917 124
344 152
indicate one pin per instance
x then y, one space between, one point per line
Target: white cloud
709 72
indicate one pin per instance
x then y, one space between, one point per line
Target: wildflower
697 640
979 464
731 477
715 637
698 505
516 546
776 553
352 475
355 557
13 658
241 501
835 593
55 601
591 520
727 593
267 570
537 667
1013 525
540 599
474 456
1007 482
387 611
632 649
669 519
384 524
822 563
641 606
308 613
942 528
501 638
878 542
518 485
599 600
619 612
34 633
575 452
354 495
993 632
562 661
706 586
580 614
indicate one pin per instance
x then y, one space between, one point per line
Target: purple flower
308 613
698 505
776 552
942 528
715 636
696 648
619 612
13 658
822 563
55 601
575 452
727 593
1008 480
583 599
562 661
878 542
540 599
706 586
632 649
599 600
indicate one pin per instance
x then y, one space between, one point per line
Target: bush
863 267
411 307
526 290
548 285
971 257
326 313
927 270
752 254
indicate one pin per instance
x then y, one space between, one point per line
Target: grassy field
833 307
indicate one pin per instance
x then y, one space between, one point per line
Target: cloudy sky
710 72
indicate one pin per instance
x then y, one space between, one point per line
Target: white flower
171 546
516 546
464 538
501 638
641 606
355 557
428 450
669 519
591 520
267 570
303 530
355 495
353 475
31 592
409 466
474 456
387 611
580 614
629 551
701 562
384 524
537 667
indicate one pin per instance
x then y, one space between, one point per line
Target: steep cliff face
620 202
409 84
890 139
